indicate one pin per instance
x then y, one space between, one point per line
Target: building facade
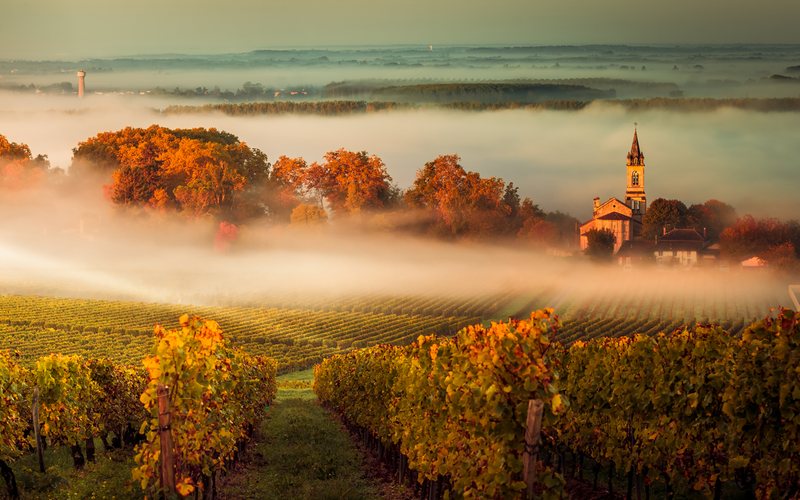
622 218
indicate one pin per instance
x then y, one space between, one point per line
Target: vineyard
633 386
608 312
698 410
189 411
297 338
299 331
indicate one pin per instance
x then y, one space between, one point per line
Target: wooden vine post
533 429
165 436
37 436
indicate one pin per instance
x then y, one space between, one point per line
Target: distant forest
345 107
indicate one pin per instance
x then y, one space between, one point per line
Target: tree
18 168
663 215
539 232
197 171
711 218
600 244
511 200
351 181
782 257
206 177
226 236
287 186
308 215
462 202
136 185
750 237
529 210
10 151
290 173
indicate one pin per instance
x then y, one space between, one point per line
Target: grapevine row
692 409
696 408
217 394
456 407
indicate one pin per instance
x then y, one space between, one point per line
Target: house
636 252
754 263
680 247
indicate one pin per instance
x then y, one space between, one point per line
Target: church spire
635 157
634 194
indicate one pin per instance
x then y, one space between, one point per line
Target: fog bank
68 248
560 159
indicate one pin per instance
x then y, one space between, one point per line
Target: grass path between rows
301 452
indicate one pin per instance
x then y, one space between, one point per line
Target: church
622 218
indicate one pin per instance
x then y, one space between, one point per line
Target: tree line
345 106
207 172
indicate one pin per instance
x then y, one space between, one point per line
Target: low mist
67 243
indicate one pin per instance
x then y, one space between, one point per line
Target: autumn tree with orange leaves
348 181
462 203
208 172
18 168
352 181
288 189
196 171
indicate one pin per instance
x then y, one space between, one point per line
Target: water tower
81 84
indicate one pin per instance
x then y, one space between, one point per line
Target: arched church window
635 178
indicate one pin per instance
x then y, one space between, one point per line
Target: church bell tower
634 194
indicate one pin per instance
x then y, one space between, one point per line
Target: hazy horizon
94 28
321 47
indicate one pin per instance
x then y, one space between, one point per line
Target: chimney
81 84
596 202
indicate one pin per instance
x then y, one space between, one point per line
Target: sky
60 29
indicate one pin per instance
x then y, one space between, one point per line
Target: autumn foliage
217 393
456 407
308 215
776 242
352 181
200 172
227 234
196 171
696 406
13 419
348 181
460 203
18 168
